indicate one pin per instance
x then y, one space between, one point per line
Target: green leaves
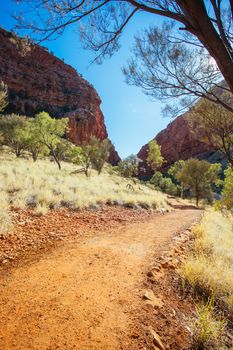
94 154
129 166
99 153
49 130
155 159
198 176
38 136
14 132
227 192
214 124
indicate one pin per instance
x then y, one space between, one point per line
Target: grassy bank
210 268
41 186
209 273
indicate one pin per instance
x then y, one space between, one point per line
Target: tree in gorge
215 124
48 132
198 176
200 28
155 158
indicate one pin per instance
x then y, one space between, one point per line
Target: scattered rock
156 339
152 299
148 295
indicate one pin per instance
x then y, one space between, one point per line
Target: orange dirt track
84 293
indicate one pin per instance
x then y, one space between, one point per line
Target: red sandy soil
93 280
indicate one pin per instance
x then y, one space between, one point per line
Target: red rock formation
177 141
37 81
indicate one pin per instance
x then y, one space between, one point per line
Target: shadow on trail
184 206
176 204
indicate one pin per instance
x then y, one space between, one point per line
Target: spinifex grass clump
207 330
41 186
5 216
209 270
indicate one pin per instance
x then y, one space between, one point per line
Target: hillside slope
178 141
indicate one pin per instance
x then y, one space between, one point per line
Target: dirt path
82 295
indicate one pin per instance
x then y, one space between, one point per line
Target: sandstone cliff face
37 81
177 141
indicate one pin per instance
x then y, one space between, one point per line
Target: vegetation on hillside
128 167
93 154
198 176
41 186
226 201
193 177
155 158
215 123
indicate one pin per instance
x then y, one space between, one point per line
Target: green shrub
227 192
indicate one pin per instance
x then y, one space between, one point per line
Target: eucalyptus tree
215 124
49 131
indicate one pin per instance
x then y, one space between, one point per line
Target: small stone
156 339
135 336
148 295
152 299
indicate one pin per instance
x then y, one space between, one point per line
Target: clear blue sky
132 119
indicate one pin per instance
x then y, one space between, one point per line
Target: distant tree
198 176
173 173
156 179
86 156
155 159
215 123
81 155
49 132
3 96
227 192
129 166
168 186
175 168
63 149
33 143
14 132
164 183
99 153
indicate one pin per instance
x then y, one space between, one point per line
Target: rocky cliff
37 81
177 141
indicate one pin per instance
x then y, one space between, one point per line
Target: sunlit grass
207 329
5 216
210 267
41 186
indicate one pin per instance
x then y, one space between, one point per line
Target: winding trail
82 295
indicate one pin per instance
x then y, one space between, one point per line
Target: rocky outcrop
177 141
37 81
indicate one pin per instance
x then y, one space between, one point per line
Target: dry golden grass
5 216
42 186
207 330
210 268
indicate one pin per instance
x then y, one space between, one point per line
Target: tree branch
165 13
